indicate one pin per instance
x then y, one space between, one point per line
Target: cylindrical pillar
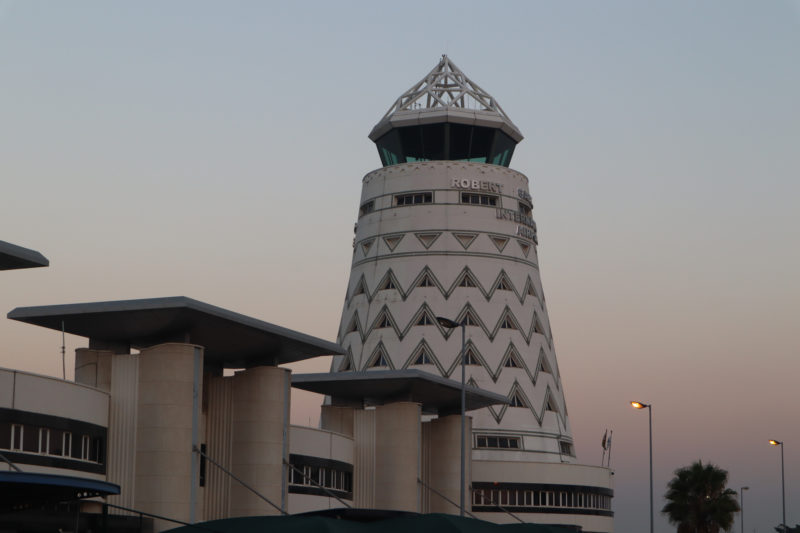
164 431
260 440
445 464
397 456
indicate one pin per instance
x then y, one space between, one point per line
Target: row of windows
416 198
54 442
540 498
497 442
500 442
478 199
426 197
315 476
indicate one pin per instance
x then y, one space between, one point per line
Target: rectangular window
525 209
367 207
56 444
566 448
16 437
497 442
5 435
415 198
478 199
44 440
30 439
86 444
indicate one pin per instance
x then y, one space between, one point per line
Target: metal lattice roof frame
447 90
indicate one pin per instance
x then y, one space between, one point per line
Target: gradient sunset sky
216 149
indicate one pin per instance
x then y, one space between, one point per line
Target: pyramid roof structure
446 94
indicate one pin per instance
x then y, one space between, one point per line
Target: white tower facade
446 229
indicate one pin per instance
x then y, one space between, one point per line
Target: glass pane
56 442
460 141
30 439
433 142
481 144
389 148
5 435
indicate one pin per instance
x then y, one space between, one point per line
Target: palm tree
698 500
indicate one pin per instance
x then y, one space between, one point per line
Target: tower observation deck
446 229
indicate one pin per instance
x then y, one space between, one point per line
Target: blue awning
22 490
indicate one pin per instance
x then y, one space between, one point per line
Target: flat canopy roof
24 489
230 340
377 387
13 256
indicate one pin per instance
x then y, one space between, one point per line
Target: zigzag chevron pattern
549 403
384 319
426 278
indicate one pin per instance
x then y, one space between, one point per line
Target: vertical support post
463 411
741 507
783 491
285 441
198 372
650 417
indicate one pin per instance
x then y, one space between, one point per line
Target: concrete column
219 423
164 432
338 419
260 439
445 464
93 368
397 456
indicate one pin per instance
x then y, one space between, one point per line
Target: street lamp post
451 324
783 483
640 405
741 505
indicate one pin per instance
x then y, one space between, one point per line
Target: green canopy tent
353 521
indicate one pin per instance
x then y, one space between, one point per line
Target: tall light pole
741 505
640 405
451 324
783 484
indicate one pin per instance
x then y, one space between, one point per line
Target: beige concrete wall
164 432
338 419
219 424
364 458
93 368
444 466
52 396
397 456
325 445
260 445
121 451
321 443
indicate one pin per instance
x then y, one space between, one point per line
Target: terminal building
179 411
446 229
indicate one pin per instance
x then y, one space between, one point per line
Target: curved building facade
446 229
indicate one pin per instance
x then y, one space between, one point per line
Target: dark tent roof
356 521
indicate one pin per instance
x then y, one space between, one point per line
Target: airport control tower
446 229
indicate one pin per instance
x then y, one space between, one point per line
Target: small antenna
63 353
